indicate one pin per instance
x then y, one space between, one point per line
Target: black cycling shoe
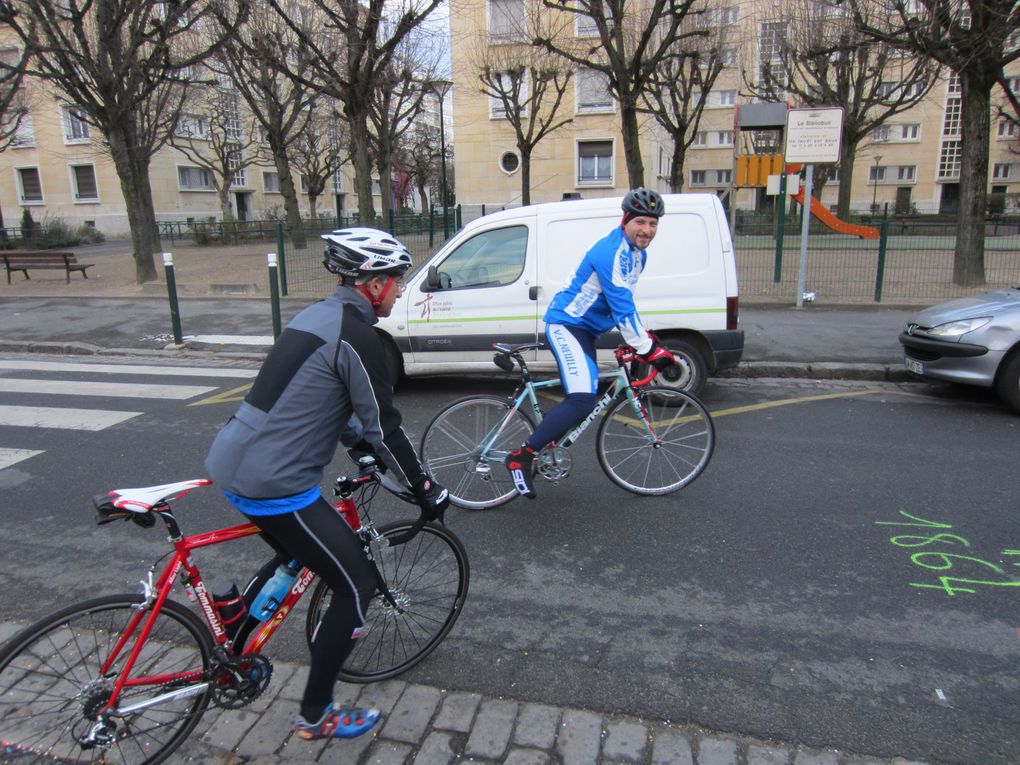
519 463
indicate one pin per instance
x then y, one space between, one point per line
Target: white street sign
813 135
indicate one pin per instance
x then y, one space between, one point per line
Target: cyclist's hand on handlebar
659 357
364 449
432 498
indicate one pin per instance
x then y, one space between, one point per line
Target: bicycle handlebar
626 355
371 472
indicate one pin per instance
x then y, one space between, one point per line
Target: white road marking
128 369
120 390
232 339
66 419
10 457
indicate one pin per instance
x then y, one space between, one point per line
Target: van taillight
732 309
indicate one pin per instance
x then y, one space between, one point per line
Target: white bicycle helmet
354 252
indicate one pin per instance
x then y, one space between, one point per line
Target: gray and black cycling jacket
325 378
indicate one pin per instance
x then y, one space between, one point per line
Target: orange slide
821 212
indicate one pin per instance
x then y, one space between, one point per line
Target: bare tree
351 48
678 90
526 88
319 152
416 154
628 43
125 66
811 51
392 109
14 101
211 133
260 60
973 38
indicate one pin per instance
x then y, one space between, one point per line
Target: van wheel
692 372
1007 383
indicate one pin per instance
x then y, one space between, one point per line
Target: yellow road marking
226 397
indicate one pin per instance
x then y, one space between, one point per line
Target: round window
509 162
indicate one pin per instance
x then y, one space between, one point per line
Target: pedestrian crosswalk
39 393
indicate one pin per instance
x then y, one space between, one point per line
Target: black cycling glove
432 498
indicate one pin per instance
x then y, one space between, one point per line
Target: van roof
599 206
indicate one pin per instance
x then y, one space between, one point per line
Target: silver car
973 340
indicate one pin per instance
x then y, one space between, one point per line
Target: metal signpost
812 135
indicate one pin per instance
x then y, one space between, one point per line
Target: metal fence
912 262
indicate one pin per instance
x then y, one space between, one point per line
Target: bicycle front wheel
53 687
465 445
428 578
657 443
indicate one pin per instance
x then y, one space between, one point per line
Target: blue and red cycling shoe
342 722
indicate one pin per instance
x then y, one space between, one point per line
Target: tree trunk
847 157
423 197
134 184
225 209
362 169
289 194
632 145
676 169
385 186
312 211
525 178
969 260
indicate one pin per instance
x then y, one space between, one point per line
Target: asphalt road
795 591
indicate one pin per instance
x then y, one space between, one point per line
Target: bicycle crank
553 463
239 683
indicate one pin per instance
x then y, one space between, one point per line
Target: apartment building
910 163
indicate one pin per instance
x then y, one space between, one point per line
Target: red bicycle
126 678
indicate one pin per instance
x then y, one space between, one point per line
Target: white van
494 279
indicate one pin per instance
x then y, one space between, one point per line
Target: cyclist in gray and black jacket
325 381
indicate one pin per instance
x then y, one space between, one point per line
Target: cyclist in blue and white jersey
598 297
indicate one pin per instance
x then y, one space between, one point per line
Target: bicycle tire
428 576
451 450
49 688
635 462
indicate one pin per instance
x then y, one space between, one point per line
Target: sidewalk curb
814 370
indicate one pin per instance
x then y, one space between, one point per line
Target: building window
910 132
701 138
594 163
697 177
729 57
192 126
1007 129
880 134
949 160
194 179
29 185
724 137
876 174
338 181
723 177
723 98
1002 172
76 128
507 21
270 182
593 92
509 163
951 123
83 178
235 162
771 43
906 172
585 25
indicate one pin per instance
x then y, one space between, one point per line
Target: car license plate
913 365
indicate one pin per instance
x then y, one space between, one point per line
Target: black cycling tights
319 538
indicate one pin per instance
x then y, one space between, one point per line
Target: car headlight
957 328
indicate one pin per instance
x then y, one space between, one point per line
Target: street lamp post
874 191
441 88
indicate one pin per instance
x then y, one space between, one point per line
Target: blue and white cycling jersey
600 294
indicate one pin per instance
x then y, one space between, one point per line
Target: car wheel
1007 383
692 369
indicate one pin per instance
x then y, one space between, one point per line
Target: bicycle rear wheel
51 688
428 577
656 444
452 450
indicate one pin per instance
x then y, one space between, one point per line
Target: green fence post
780 230
281 249
432 226
460 218
274 293
883 238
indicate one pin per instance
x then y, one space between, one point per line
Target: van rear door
480 295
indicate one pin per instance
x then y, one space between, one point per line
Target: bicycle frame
155 596
619 384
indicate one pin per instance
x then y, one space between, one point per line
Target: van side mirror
434 280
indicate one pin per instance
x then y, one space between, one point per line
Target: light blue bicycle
650 440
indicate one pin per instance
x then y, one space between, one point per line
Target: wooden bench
24 260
